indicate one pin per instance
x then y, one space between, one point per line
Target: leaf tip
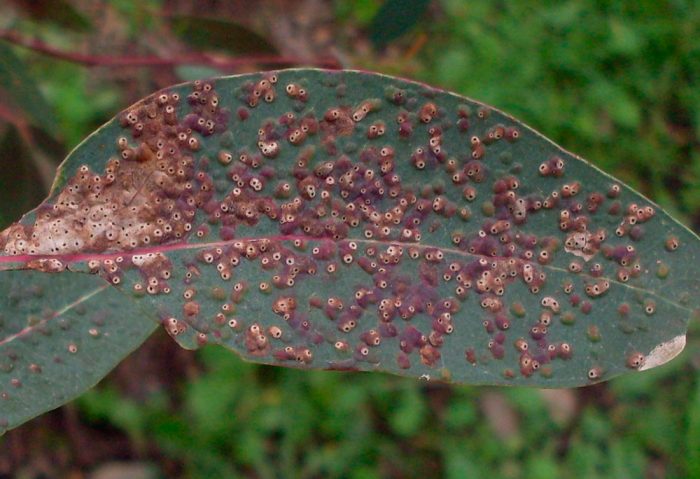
664 352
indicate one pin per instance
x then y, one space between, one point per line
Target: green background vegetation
616 82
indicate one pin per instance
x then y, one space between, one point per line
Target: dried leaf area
346 220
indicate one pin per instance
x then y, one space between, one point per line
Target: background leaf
19 92
394 19
14 155
59 12
219 34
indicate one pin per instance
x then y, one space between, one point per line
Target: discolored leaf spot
663 353
333 230
60 12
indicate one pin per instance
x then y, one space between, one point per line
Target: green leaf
693 434
220 34
16 197
19 92
59 335
59 12
394 18
348 220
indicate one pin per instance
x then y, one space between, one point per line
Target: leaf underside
350 220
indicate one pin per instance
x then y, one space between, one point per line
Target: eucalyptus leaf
355 221
395 18
59 335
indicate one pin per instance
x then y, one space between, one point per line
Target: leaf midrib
19 261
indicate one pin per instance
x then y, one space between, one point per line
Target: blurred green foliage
617 83
395 18
242 420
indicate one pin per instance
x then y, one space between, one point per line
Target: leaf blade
510 254
60 336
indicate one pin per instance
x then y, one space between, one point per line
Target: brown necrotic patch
147 195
